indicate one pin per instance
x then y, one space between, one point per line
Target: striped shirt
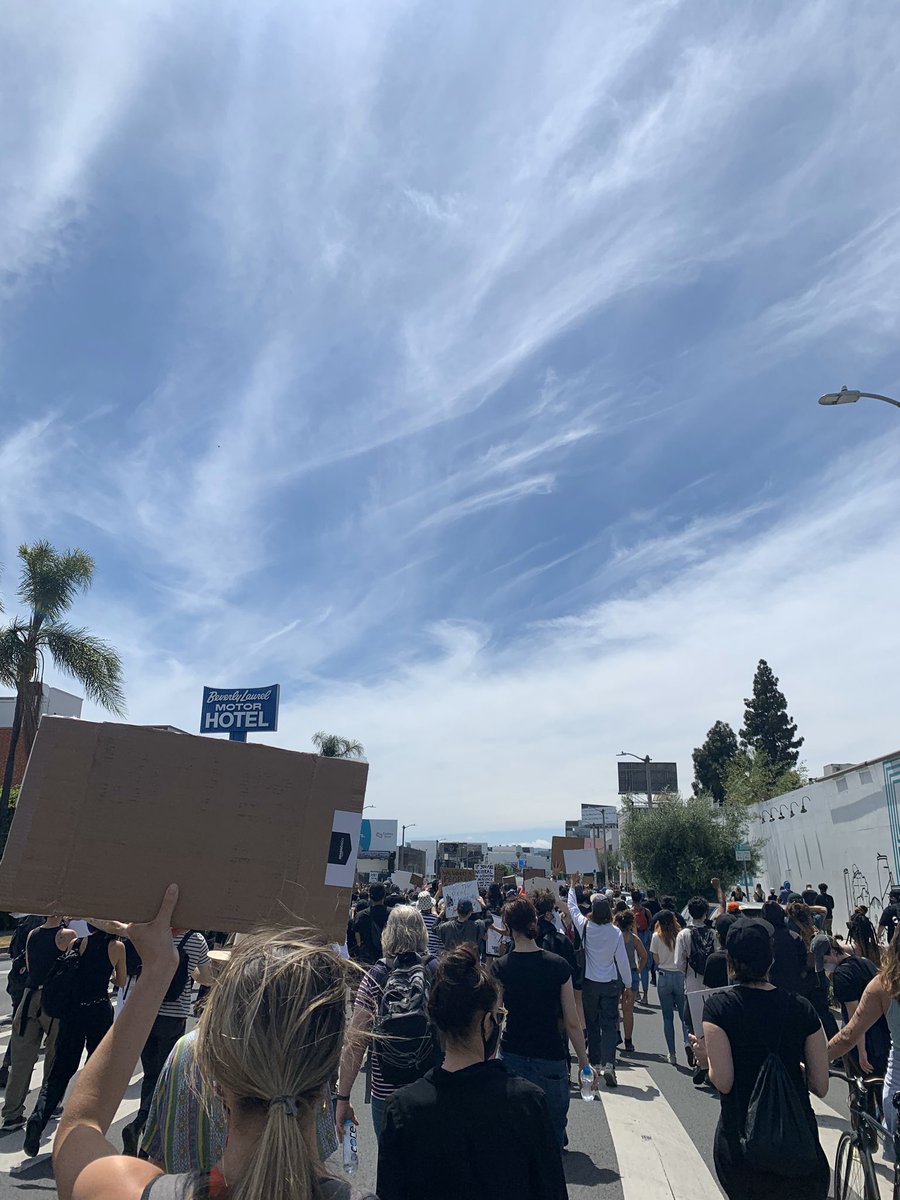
196 949
368 997
186 1127
434 942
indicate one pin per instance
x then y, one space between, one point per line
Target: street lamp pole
403 845
646 760
847 396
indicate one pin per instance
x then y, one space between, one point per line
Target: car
748 909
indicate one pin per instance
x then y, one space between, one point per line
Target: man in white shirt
693 946
606 970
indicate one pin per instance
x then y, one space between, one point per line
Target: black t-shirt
789 962
716 973
758 1023
826 900
851 977
809 897
449 1132
653 905
531 986
370 926
889 918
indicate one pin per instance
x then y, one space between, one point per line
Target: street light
403 844
844 396
781 813
645 759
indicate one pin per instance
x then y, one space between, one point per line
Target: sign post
237 711
743 854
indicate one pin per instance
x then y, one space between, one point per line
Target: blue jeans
670 985
649 965
552 1077
379 1108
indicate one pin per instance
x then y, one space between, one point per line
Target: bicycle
854 1168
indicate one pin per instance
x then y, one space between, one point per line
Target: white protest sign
456 892
582 861
403 879
697 1000
484 874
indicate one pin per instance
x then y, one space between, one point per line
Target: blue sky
456 367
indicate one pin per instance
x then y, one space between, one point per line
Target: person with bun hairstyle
269 1041
542 1017
451 1131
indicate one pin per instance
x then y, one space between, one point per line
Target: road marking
654 1151
14 1161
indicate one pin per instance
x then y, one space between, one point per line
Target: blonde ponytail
271 1037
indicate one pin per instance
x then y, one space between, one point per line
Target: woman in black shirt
449 1132
741 1027
541 1013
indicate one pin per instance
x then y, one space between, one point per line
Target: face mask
493 1038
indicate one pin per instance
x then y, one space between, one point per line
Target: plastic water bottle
587 1083
350 1149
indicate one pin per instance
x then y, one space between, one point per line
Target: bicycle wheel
854 1175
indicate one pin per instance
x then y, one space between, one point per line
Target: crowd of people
459 1014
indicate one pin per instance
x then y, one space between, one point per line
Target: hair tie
290 1104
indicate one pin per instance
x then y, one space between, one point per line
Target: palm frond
95 665
50 581
14 651
332 745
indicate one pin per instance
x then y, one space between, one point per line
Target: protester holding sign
607 970
271 1073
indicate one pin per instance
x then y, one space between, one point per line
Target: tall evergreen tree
713 759
767 728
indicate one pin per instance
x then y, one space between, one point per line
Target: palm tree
48 585
332 745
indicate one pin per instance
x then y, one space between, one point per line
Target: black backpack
703 944
777 1137
405 1039
58 993
133 967
182 973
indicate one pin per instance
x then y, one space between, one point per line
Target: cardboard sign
509 881
537 883
485 875
454 893
457 875
109 814
534 873
416 881
499 873
558 846
584 861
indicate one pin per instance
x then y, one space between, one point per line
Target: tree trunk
6 792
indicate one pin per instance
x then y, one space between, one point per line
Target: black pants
86 1028
165 1033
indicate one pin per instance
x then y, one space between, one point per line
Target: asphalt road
650 1139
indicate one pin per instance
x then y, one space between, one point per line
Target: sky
455 367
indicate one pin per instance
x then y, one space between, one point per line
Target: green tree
767 726
713 759
48 585
332 745
751 778
679 845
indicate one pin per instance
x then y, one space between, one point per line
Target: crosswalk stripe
656 1156
13 1160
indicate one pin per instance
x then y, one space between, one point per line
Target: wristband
344 1099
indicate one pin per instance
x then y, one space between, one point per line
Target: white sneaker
671 1060
609 1074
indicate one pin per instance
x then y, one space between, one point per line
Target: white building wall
55 703
849 836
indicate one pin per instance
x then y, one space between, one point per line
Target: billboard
240 710
378 837
633 778
596 814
